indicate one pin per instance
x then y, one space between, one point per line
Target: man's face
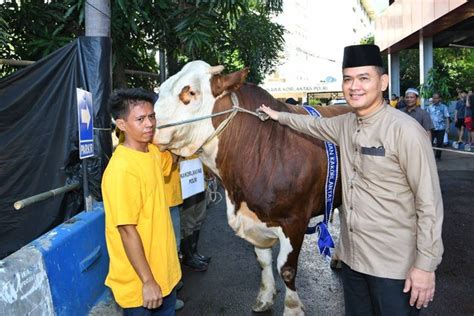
140 123
363 87
436 98
410 99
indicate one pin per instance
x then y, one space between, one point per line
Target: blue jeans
366 295
166 309
175 212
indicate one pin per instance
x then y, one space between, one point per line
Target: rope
219 129
211 187
194 119
235 108
455 151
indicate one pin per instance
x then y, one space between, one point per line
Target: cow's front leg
267 292
287 266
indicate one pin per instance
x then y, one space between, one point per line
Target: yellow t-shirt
133 192
173 187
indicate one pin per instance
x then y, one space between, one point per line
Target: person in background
193 213
468 120
175 201
390 237
394 100
459 115
291 101
412 109
440 117
401 103
144 266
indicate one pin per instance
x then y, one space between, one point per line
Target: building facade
422 24
316 34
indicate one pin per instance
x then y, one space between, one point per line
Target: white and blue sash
325 241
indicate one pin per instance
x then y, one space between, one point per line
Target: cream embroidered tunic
393 209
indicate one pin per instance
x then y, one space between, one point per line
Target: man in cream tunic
390 241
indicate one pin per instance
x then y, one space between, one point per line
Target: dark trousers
166 309
366 295
439 136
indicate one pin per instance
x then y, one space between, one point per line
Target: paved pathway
231 284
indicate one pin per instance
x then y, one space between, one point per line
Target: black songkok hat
361 55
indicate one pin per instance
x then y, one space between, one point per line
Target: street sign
85 122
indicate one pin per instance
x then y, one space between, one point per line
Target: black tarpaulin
39 137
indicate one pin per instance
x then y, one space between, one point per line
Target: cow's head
189 94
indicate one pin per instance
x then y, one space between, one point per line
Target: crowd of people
438 113
384 271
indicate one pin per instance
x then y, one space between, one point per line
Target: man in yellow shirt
144 267
394 100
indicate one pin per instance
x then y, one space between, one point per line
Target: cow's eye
192 93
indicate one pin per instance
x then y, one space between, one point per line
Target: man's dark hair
380 70
122 100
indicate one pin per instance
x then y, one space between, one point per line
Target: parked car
338 102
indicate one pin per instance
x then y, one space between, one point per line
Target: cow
274 177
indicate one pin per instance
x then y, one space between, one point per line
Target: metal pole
18 205
162 65
85 185
97 24
97 18
15 62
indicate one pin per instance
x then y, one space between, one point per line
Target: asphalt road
230 285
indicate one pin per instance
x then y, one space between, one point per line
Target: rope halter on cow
222 126
235 108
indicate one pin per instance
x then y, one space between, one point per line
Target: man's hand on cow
272 113
422 286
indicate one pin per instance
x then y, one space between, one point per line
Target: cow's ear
214 70
228 83
187 94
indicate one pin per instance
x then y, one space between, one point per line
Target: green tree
235 33
452 69
409 69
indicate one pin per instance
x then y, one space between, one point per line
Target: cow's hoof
261 306
293 311
336 264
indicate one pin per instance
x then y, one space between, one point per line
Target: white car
338 102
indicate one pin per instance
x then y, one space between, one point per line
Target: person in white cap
416 112
390 240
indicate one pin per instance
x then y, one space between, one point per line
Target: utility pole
97 20
97 23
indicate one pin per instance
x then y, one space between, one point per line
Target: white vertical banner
192 177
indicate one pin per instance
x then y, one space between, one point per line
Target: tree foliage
452 69
235 33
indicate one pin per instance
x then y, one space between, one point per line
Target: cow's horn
214 70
